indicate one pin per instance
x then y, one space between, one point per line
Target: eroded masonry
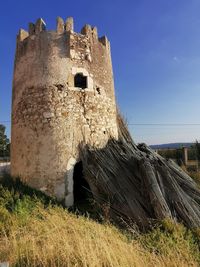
63 95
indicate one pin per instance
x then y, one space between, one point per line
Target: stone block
69 25
76 70
40 26
72 54
86 30
60 25
95 33
48 115
90 83
22 35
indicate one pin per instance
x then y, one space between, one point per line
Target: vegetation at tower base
4 143
36 231
197 146
139 185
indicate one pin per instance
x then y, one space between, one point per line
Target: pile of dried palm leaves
138 184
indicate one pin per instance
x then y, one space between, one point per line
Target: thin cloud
176 59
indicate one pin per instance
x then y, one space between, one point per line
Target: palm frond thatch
138 183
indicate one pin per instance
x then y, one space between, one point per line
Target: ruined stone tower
63 94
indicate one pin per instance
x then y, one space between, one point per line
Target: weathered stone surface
50 115
60 25
22 35
31 28
87 30
40 26
95 33
104 41
69 25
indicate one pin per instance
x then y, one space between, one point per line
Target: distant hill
171 145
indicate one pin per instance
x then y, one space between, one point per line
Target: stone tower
63 95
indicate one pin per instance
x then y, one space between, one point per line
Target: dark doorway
80 81
82 192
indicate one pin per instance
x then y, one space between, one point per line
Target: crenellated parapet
62 27
36 28
67 26
22 35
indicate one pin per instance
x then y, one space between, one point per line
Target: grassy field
36 231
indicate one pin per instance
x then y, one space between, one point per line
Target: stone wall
50 116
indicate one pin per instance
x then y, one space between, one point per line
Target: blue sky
155 52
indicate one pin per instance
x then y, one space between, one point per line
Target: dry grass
33 233
54 237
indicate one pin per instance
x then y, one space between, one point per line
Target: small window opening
80 81
82 191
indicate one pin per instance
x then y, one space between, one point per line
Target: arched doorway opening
81 188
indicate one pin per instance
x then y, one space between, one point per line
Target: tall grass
35 233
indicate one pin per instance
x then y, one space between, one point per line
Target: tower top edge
61 28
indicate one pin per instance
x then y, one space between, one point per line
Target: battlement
62 27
